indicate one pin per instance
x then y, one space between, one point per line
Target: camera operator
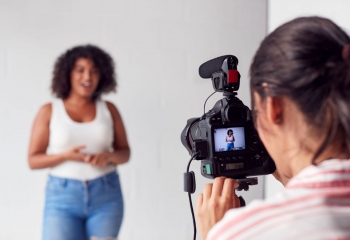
300 88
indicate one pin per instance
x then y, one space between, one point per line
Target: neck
303 158
77 100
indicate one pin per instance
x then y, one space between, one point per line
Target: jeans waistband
64 181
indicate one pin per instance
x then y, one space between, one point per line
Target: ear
274 110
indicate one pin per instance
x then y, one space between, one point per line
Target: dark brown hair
61 84
302 60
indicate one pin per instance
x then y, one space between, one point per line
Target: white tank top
96 136
230 139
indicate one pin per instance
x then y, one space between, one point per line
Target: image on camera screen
229 139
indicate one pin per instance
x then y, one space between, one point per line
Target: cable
190 200
189 163
208 98
193 217
199 119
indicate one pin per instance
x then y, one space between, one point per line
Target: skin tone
81 108
289 140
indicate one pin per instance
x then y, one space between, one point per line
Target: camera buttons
207 168
254 142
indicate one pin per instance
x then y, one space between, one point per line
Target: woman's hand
74 154
101 160
216 200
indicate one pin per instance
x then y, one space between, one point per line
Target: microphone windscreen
211 66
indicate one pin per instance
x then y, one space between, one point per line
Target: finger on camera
207 191
218 186
199 206
200 200
228 188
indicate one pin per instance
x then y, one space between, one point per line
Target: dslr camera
224 138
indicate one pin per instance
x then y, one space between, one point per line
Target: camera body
224 138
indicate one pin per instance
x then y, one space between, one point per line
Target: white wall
281 11
158 46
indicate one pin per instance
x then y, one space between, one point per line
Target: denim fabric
76 210
229 146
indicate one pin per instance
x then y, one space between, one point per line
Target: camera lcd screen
232 166
229 139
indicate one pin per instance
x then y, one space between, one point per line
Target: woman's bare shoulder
114 111
110 105
112 108
45 112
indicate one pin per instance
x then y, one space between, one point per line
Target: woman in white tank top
81 139
230 139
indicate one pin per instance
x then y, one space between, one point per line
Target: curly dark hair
228 132
61 84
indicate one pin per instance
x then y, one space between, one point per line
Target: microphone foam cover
211 66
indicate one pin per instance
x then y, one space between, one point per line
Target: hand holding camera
216 200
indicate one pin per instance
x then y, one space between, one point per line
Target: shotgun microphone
217 64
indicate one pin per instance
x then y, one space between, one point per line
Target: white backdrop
281 11
157 46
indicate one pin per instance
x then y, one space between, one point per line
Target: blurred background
157 46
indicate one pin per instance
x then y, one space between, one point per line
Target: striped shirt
315 204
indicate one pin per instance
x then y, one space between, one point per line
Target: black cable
201 118
193 217
208 98
188 168
190 199
189 163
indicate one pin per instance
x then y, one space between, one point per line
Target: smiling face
84 78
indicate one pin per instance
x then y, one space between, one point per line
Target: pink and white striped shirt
314 205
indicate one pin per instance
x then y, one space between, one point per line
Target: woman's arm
121 153
39 140
121 150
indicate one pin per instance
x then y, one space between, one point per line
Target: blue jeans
76 210
229 146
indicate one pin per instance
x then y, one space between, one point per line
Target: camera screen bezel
247 135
